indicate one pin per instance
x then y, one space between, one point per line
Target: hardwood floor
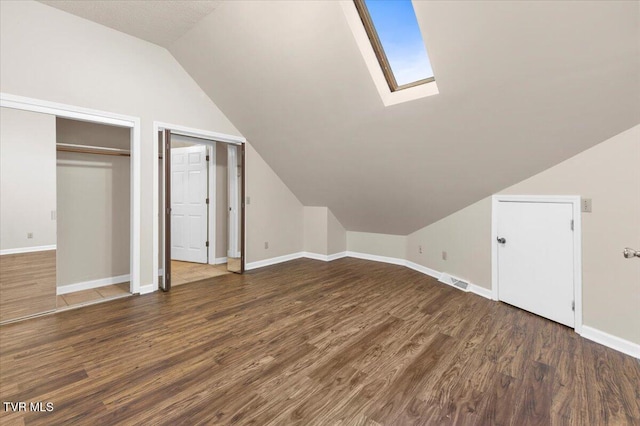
27 284
188 272
347 342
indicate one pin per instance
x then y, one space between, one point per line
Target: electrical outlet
420 249
585 205
444 255
248 200
266 245
29 234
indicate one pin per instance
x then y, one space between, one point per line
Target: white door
189 204
535 258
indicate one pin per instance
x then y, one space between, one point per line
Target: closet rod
88 149
100 150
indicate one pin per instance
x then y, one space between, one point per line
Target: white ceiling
523 86
160 22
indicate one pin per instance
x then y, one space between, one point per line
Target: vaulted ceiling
523 86
160 22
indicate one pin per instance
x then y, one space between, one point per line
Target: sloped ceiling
160 22
523 86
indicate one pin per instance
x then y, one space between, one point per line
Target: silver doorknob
502 240
629 253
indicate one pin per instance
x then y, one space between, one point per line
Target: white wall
51 55
466 238
386 245
609 174
315 230
27 179
336 235
323 233
274 214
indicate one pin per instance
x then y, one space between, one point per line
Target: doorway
200 188
93 178
536 255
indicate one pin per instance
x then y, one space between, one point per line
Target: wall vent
453 281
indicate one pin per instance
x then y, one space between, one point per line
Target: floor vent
453 281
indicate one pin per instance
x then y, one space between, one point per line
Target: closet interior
93 170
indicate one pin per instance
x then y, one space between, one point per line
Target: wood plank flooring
188 272
27 284
348 342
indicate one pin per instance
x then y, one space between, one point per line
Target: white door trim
103 117
574 200
208 137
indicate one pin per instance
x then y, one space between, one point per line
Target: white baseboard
336 256
149 288
324 257
427 271
220 260
376 258
27 249
275 260
611 341
272 261
481 291
315 256
86 285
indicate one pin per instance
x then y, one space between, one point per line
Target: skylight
392 28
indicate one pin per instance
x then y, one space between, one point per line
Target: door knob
629 253
502 240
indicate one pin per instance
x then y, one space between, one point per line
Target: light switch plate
585 205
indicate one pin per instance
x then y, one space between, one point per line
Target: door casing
574 200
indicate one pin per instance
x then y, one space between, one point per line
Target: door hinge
206 244
573 306
207 201
168 210
207 157
572 224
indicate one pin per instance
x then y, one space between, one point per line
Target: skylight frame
372 33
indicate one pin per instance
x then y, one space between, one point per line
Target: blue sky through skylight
397 27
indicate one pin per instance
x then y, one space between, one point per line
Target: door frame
574 200
190 132
102 117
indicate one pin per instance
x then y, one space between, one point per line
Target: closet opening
200 193
93 182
